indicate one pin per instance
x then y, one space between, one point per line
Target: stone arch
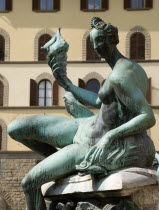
6 90
4 135
147 41
86 34
43 31
7 44
93 75
43 76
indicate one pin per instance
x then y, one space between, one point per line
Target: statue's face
101 43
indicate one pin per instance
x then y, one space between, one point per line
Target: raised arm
57 59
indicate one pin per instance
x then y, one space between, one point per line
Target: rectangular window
2 5
46 5
94 4
138 4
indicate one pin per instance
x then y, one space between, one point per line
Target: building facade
27 86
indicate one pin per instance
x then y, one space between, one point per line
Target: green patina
98 144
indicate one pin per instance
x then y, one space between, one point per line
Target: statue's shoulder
123 70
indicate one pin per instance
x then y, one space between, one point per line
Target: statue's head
104 37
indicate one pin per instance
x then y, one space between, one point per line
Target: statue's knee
18 129
27 183
12 129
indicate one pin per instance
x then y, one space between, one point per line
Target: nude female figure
113 139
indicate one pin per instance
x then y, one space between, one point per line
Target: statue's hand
94 155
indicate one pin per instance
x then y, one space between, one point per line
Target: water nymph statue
97 144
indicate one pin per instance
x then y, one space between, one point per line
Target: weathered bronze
115 138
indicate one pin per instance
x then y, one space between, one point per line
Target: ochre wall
22 24
19 75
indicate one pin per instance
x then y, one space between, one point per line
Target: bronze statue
98 144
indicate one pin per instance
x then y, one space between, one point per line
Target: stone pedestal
131 188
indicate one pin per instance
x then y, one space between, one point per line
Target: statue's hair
108 28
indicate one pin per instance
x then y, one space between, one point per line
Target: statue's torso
112 114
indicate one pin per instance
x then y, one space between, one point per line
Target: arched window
91 54
93 85
2 48
0 137
42 41
45 93
137 46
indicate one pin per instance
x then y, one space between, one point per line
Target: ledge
37 107
19 155
32 107
71 62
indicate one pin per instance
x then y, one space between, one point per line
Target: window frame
7 3
94 3
129 8
38 10
84 6
46 4
45 97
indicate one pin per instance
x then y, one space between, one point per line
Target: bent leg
53 167
42 133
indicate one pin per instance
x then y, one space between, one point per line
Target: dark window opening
138 4
137 46
46 5
93 85
42 41
2 48
91 54
2 5
94 4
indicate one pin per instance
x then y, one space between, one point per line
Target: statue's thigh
56 165
54 130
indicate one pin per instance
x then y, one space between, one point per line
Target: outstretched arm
57 60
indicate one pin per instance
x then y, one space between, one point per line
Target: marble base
135 187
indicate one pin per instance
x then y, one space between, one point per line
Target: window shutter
0 137
56 4
105 4
55 93
149 3
148 96
81 84
127 4
2 48
1 93
84 5
35 5
33 93
103 82
9 5
91 54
